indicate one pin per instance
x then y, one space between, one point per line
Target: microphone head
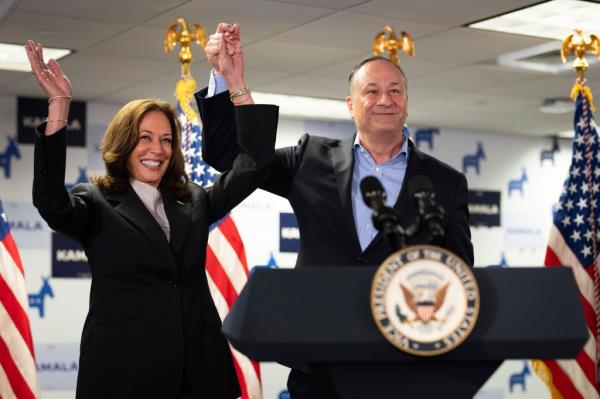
372 191
419 185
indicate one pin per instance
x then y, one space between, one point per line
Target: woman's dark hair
121 137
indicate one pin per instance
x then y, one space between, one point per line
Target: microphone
384 218
373 192
421 190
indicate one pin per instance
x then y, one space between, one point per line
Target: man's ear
350 106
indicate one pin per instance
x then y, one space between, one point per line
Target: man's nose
384 99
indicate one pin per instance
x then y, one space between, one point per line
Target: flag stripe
11 248
248 376
231 233
587 366
590 346
15 314
5 388
251 378
13 276
583 278
566 257
17 382
577 378
241 377
562 381
17 348
219 277
228 259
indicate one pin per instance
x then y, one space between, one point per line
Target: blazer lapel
179 214
343 165
129 206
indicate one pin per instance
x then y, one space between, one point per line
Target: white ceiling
302 47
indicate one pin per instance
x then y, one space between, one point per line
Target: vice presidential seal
425 300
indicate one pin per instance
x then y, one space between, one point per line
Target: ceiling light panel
14 58
553 19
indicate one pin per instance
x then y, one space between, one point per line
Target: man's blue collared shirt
390 173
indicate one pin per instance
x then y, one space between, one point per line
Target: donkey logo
517 185
549 154
473 160
37 300
426 135
519 378
10 151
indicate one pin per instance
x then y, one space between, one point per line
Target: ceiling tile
333 4
142 43
448 13
129 12
351 31
122 69
72 33
485 79
465 45
257 18
291 58
313 85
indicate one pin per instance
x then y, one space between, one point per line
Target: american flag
226 266
574 242
18 378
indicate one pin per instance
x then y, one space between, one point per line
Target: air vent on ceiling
542 58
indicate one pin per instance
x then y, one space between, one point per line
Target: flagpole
578 44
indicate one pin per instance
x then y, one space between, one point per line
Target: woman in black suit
152 330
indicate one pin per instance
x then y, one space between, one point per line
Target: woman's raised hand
55 83
50 76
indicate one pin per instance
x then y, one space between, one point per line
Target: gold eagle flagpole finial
185 37
578 44
186 86
392 44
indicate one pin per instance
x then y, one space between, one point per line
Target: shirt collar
148 193
403 150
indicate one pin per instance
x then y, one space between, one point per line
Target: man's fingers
225 27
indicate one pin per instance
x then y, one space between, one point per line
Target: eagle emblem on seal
424 303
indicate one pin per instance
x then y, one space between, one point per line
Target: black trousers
316 385
186 391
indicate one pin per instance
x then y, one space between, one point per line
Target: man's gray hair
371 59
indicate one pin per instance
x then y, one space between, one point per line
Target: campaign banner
484 208
289 234
28 228
57 365
33 111
68 258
